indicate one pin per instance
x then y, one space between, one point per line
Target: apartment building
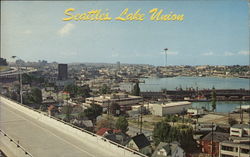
232 149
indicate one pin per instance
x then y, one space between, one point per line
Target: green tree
72 89
36 95
232 121
115 109
67 110
136 89
213 99
104 89
122 124
81 115
84 91
93 111
161 132
14 96
105 123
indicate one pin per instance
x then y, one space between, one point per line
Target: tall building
62 71
118 66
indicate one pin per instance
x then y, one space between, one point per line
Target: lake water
221 106
156 84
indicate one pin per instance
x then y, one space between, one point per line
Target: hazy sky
212 32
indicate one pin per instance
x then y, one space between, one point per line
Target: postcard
125 78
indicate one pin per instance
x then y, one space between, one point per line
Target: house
140 143
52 110
169 150
118 137
213 139
240 130
87 124
102 131
114 135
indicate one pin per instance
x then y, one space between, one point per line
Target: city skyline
212 33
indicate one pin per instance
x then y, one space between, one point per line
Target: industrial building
162 109
124 100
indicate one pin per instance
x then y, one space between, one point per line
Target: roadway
44 141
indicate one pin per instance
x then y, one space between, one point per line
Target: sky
212 33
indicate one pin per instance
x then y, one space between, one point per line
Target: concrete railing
10 143
72 130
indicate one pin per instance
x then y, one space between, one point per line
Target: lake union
171 83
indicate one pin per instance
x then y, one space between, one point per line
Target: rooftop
241 126
217 137
141 141
170 104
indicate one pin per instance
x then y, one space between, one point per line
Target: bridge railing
16 143
78 128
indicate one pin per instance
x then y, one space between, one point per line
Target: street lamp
166 59
20 80
166 56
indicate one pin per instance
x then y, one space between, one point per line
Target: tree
161 132
94 111
72 89
84 91
115 109
122 124
36 95
104 89
14 96
174 119
213 99
81 116
75 90
136 89
67 110
105 123
232 121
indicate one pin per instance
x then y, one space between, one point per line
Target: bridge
25 132
13 74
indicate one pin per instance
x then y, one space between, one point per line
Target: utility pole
241 114
166 59
20 81
141 122
212 145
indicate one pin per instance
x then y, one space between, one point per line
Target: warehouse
162 109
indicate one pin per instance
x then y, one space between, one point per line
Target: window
227 148
245 151
223 155
236 131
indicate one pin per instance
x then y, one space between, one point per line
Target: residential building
140 143
162 109
213 139
169 150
124 100
102 131
240 130
232 149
